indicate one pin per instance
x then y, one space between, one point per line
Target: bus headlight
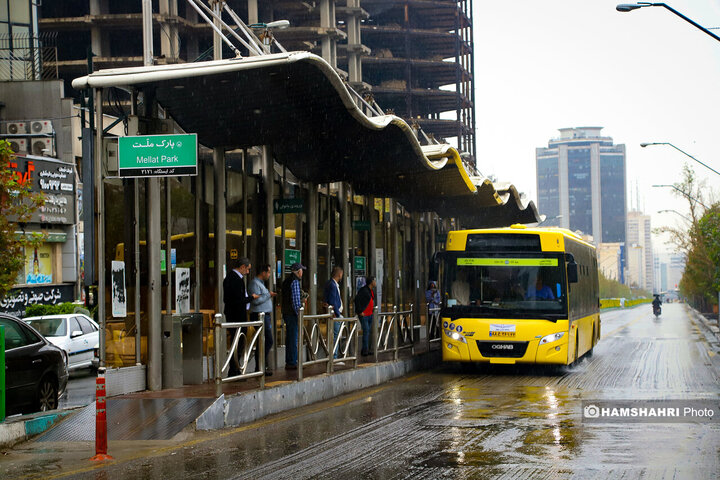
455 336
553 337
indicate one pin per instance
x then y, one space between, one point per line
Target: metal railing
311 340
25 56
400 325
433 326
223 355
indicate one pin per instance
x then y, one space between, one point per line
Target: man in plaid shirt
292 301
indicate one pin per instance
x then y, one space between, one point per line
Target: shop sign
288 205
157 155
56 181
18 299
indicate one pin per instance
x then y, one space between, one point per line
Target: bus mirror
572 272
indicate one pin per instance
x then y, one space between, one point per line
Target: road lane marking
258 424
635 320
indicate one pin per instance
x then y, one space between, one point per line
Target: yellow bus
518 295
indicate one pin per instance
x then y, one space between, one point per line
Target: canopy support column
312 222
344 243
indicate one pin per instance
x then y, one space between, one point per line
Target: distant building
640 258
610 260
581 183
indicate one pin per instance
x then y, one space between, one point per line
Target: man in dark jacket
364 305
236 299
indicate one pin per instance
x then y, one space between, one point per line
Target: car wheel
47 395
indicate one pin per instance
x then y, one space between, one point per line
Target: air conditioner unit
41 126
43 147
18 145
16 128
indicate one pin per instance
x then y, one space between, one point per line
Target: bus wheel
592 347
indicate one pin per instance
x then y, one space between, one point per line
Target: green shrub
59 309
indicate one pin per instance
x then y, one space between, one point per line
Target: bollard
100 419
374 339
412 330
396 333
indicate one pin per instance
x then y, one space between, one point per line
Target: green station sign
288 205
360 263
157 155
361 225
291 256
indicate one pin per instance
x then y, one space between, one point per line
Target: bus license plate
502 330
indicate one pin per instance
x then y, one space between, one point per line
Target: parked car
75 333
35 370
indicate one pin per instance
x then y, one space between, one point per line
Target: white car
75 333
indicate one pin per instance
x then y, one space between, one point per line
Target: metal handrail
433 325
225 356
315 333
348 334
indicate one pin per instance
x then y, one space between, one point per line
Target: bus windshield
504 285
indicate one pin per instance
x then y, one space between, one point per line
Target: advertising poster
182 290
38 265
119 295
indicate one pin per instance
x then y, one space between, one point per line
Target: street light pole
683 152
676 212
685 194
629 7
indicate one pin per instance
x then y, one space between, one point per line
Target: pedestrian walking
364 305
332 297
236 300
432 295
292 301
262 304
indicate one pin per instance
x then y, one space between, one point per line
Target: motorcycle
657 310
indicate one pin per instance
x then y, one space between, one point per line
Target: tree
700 243
17 204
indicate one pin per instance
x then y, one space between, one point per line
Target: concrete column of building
344 260
330 245
395 273
354 41
99 38
563 188
252 11
327 41
147 31
191 41
269 182
168 248
169 40
596 193
198 235
312 261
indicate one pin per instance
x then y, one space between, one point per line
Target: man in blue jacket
262 304
332 298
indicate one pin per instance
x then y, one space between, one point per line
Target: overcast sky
645 76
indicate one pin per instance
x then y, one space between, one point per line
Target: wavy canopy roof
297 103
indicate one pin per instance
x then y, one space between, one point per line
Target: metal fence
433 326
393 331
28 57
317 347
240 350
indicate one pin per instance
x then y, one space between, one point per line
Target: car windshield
510 286
49 327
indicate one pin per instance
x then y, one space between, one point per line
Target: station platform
164 414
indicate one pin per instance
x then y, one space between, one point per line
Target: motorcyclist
656 303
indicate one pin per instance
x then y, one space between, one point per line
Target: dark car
35 370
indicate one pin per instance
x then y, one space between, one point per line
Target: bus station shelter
291 167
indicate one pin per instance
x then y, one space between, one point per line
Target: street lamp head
627 7
643 145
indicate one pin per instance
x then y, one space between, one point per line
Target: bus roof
459 237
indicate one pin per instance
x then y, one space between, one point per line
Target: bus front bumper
467 349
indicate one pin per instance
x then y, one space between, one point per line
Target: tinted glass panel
499 242
85 325
74 326
14 336
49 327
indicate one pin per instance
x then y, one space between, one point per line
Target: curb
22 428
711 329
246 407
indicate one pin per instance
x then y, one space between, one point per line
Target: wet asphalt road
510 422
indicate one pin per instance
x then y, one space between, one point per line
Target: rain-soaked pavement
514 423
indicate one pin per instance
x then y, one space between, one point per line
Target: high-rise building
641 261
581 183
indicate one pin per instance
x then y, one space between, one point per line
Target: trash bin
192 348
172 374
